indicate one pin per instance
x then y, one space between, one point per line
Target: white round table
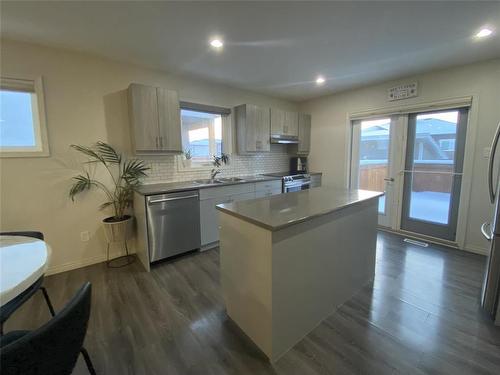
23 260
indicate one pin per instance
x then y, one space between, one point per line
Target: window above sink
206 132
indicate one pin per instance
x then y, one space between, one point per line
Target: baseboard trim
52 270
477 250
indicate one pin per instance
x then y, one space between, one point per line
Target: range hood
284 139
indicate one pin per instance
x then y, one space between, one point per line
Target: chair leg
47 299
88 362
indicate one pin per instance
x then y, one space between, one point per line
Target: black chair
8 309
54 347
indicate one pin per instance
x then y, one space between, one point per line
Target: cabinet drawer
267 193
226 191
268 185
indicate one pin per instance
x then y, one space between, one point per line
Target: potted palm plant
124 177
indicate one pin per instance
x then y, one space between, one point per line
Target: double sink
218 180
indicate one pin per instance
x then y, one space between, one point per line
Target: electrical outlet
85 236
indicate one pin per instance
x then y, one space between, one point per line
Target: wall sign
408 90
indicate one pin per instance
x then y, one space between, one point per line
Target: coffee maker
298 165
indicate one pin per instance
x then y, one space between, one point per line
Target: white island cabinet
289 260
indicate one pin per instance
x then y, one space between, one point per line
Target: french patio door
374 161
417 160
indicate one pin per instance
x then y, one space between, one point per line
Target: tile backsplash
165 169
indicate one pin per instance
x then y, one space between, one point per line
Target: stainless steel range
292 181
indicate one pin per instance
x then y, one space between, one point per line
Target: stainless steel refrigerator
491 230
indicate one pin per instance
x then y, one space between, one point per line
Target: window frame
451 140
35 87
225 114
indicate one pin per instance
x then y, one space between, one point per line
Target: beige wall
482 81
85 101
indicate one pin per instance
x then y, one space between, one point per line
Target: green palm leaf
105 205
80 183
107 153
133 170
94 156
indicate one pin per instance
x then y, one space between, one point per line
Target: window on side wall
23 130
204 132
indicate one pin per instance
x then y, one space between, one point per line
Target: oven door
296 186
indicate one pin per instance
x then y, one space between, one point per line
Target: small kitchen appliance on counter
298 165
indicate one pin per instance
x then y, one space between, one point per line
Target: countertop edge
297 221
187 186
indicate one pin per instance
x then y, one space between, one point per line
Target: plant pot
118 231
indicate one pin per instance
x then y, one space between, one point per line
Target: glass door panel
371 166
433 172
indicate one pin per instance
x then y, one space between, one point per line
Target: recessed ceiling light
216 43
484 32
320 80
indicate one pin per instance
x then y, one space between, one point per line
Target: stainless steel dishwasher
173 221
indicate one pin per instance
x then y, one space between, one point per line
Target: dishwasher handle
162 200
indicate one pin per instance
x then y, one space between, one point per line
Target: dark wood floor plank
420 315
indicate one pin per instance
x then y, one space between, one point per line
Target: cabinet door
250 121
143 112
242 197
267 193
263 129
169 120
315 180
304 146
291 124
277 121
209 223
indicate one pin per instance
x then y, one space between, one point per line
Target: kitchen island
288 261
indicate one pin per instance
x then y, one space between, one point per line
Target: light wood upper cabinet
284 122
169 120
291 126
143 112
304 124
155 119
252 128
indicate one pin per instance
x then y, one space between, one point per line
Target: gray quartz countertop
280 211
171 187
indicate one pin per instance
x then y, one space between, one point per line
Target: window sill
24 154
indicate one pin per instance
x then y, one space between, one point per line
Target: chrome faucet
213 173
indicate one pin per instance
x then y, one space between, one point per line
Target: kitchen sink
208 181
231 179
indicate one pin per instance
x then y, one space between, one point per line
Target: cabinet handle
156 140
161 142
258 145
285 129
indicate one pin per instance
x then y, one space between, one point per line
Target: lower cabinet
211 197
209 225
315 180
267 193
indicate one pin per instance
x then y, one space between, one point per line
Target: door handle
486 233
389 179
490 165
172 199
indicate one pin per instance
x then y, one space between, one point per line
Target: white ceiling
276 48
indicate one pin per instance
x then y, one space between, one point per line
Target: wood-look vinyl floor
420 316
